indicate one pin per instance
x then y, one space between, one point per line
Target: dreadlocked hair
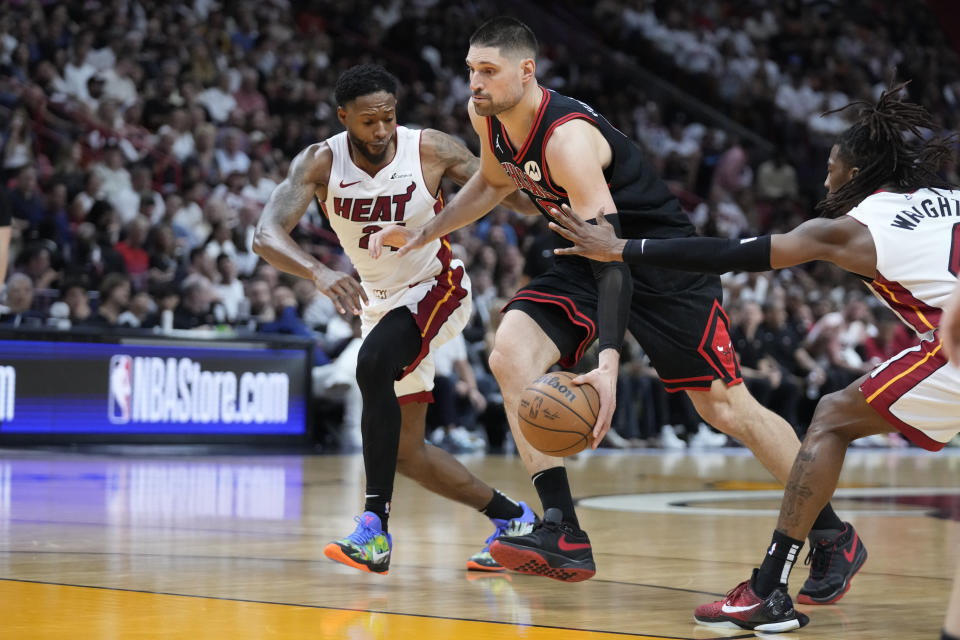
887 144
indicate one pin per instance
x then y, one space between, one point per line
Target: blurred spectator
131 249
777 179
231 158
196 305
113 301
218 99
26 201
286 317
74 294
35 262
229 290
19 301
16 145
261 303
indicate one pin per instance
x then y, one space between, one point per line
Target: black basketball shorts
676 317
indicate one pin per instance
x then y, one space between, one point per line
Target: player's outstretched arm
843 241
460 165
480 193
950 330
308 172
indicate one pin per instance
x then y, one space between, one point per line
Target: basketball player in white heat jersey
372 175
890 218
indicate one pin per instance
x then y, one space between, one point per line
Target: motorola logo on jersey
150 389
8 392
389 208
524 181
532 169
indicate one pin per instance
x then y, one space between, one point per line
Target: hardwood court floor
136 546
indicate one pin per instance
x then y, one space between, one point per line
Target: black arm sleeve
614 293
704 255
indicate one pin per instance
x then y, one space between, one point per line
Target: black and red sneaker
554 549
742 608
834 558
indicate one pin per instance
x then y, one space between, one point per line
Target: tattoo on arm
459 163
291 198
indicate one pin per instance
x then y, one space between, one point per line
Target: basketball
556 416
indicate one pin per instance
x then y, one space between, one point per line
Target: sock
554 491
947 636
776 566
379 505
502 508
828 519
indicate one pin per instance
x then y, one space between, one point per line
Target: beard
489 107
362 148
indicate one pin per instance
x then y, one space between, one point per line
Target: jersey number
371 229
955 251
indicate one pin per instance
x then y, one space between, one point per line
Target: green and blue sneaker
482 560
367 548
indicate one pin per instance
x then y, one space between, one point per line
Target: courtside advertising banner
176 387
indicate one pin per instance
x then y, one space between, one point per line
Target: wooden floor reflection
146 546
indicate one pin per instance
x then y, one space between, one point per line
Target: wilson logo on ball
554 381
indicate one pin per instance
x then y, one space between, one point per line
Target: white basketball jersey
359 205
917 236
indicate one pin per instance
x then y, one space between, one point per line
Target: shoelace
496 534
515 525
362 534
818 557
734 593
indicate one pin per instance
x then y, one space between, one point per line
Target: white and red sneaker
744 609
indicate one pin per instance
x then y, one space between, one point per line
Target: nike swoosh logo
726 608
571 546
853 547
378 556
349 184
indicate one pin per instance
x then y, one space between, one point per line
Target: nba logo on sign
121 389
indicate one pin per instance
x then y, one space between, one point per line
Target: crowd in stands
141 141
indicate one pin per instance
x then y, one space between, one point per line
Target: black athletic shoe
742 608
834 561
553 549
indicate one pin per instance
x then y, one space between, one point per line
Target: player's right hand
397 236
345 292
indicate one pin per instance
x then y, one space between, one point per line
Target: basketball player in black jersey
560 151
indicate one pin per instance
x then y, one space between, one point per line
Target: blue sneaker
367 548
482 560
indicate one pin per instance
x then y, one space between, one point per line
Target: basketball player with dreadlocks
891 219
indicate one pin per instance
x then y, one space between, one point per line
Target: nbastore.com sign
151 389
154 388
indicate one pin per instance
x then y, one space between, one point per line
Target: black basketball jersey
645 205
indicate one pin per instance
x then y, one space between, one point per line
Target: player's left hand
597 242
604 380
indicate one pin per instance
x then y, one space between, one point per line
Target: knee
500 364
722 416
374 366
829 417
